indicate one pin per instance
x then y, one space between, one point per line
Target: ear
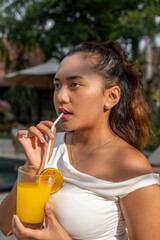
112 96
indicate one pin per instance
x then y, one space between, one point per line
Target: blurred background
40 32
36 34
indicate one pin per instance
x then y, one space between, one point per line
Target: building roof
39 76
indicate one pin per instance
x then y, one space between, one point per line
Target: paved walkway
7 149
2 237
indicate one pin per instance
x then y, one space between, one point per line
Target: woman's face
78 93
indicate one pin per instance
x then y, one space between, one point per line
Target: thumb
49 215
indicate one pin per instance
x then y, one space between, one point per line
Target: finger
49 215
22 134
53 225
34 132
15 230
50 152
44 223
22 232
47 123
45 130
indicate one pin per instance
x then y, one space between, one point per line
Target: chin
67 128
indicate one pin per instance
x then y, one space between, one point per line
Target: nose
63 95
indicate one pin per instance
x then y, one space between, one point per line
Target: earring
107 105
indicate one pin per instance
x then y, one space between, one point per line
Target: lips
66 114
63 110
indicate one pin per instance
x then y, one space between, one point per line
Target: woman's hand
35 144
53 230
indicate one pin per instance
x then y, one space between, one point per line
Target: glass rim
21 169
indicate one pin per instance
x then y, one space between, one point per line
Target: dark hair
130 118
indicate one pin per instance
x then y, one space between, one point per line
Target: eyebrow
68 78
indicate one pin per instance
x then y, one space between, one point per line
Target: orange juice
31 198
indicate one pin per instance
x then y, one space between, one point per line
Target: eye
56 85
75 85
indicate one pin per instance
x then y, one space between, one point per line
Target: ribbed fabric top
89 207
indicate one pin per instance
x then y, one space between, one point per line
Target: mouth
64 111
66 114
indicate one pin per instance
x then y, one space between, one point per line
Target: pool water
8 172
7 177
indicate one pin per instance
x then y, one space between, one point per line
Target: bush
6 115
5 129
156 130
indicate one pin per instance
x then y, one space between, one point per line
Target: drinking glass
33 191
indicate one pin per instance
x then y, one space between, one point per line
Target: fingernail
47 206
51 135
13 223
43 140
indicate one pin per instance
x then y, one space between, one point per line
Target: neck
93 136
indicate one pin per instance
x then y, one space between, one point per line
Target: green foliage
156 130
156 120
142 21
56 25
6 116
21 99
4 51
5 129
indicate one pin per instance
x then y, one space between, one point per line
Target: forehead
76 64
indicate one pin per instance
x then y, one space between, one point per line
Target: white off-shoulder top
88 207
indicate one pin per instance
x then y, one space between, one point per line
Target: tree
56 25
22 100
142 21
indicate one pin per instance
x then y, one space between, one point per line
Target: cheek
55 100
90 102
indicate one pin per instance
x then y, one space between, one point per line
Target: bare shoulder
129 162
134 161
141 202
141 212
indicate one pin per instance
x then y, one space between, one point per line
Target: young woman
109 185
